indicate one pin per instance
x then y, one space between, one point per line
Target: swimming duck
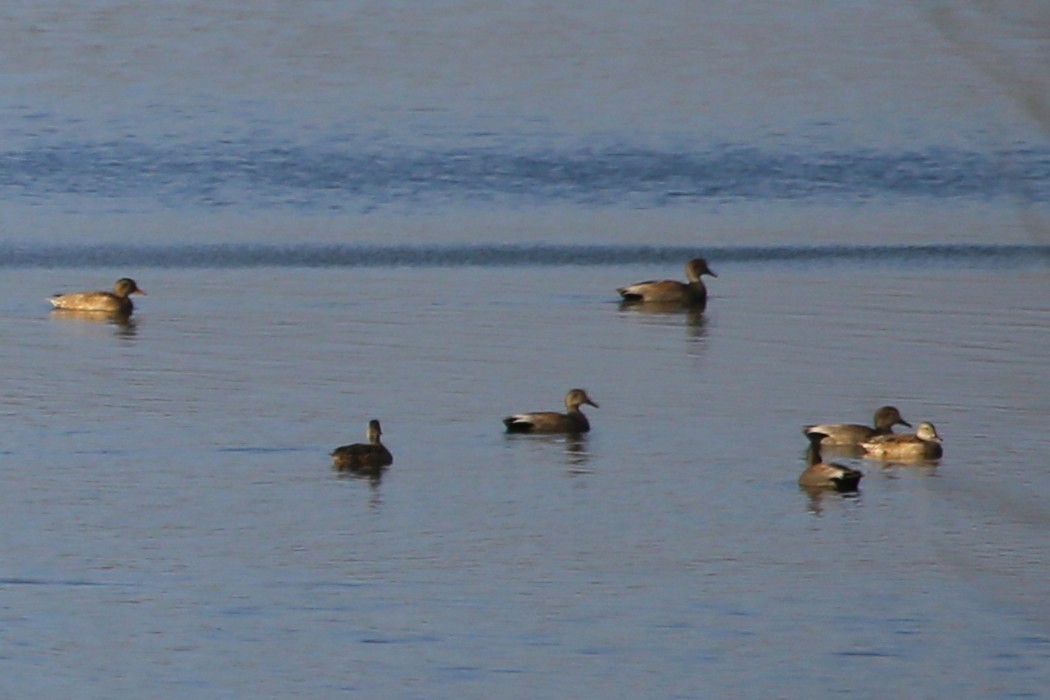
853 434
360 457
924 444
692 294
573 421
826 475
117 301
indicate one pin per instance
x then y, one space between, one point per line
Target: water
421 215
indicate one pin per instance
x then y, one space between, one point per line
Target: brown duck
924 444
692 293
118 301
853 433
826 475
572 421
364 457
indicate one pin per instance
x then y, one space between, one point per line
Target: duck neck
697 291
883 428
577 416
813 452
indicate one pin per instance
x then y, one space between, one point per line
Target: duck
924 444
118 301
572 421
826 475
693 293
364 457
853 434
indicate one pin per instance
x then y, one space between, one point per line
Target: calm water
421 215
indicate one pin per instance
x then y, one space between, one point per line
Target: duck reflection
374 477
693 314
671 314
842 451
666 313
123 323
372 474
816 497
576 455
573 446
371 477
893 467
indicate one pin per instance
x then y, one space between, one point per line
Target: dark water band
339 256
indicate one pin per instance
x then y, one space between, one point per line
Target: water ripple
350 175
340 256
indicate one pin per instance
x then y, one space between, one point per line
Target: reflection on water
572 446
818 498
693 314
921 466
694 317
849 451
124 323
576 455
373 479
